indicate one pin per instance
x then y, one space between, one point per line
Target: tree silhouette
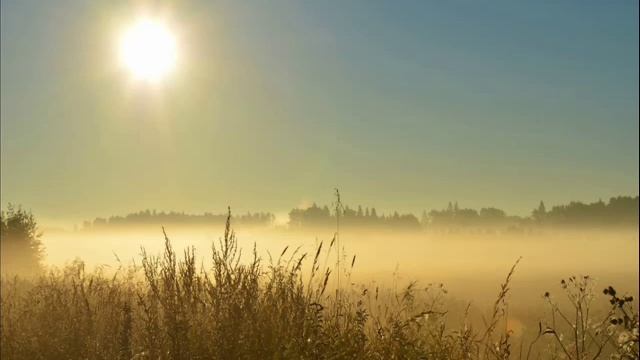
539 213
620 211
21 249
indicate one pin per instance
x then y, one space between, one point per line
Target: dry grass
171 308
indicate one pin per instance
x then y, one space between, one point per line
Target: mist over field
464 253
471 265
465 248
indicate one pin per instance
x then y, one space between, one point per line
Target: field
243 302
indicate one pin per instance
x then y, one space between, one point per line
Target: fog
470 265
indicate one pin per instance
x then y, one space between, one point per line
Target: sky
402 105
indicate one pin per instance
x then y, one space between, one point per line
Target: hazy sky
401 104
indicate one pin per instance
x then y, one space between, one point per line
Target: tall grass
169 307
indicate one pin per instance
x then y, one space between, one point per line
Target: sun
148 49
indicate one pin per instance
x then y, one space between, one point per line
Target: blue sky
403 105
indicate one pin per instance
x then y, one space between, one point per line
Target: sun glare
148 50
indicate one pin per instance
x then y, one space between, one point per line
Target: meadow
308 302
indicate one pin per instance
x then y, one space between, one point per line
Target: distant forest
153 217
621 211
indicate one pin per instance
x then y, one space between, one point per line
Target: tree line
153 217
618 211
